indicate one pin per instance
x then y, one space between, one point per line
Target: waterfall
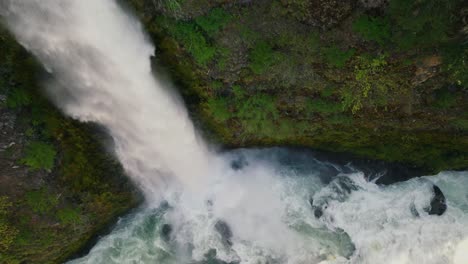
261 210
99 57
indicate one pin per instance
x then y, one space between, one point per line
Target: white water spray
99 58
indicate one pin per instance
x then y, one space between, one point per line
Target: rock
317 210
225 231
438 205
166 231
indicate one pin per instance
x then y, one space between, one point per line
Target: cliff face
58 186
380 79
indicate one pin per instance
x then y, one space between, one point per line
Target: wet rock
414 211
225 231
317 210
438 203
166 231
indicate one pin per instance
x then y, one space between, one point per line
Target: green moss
324 106
422 23
214 21
337 57
218 108
69 215
41 201
39 155
191 38
372 84
8 232
445 99
262 57
373 28
18 98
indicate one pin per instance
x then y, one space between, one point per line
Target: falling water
203 207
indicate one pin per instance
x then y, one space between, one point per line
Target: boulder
438 203
225 231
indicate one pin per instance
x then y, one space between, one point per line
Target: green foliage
192 39
325 107
456 63
262 57
373 28
337 57
445 99
214 21
39 155
41 201
422 23
371 85
218 109
8 233
69 215
461 124
258 113
18 98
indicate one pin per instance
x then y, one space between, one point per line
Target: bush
68 215
7 232
445 99
218 108
214 21
39 155
18 98
336 57
373 29
324 107
422 23
371 86
262 57
41 201
192 40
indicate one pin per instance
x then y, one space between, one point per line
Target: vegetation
373 29
39 155
325 74
41 220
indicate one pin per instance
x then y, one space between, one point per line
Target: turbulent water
248 206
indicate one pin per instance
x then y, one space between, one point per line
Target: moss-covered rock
365 77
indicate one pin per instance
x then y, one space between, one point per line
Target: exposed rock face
225 231
438 203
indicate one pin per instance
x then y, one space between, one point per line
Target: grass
214 21
41 201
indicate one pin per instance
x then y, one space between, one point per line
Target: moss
262 57
276 50
41 201
39 155
373 28
214 21
337 57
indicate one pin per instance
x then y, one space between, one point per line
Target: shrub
336 57
68 215
214 21
39 155
218 108
262 57
41 201
373 28
17 98
8 233
422 23
445 99
371 85
191 38
323 106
